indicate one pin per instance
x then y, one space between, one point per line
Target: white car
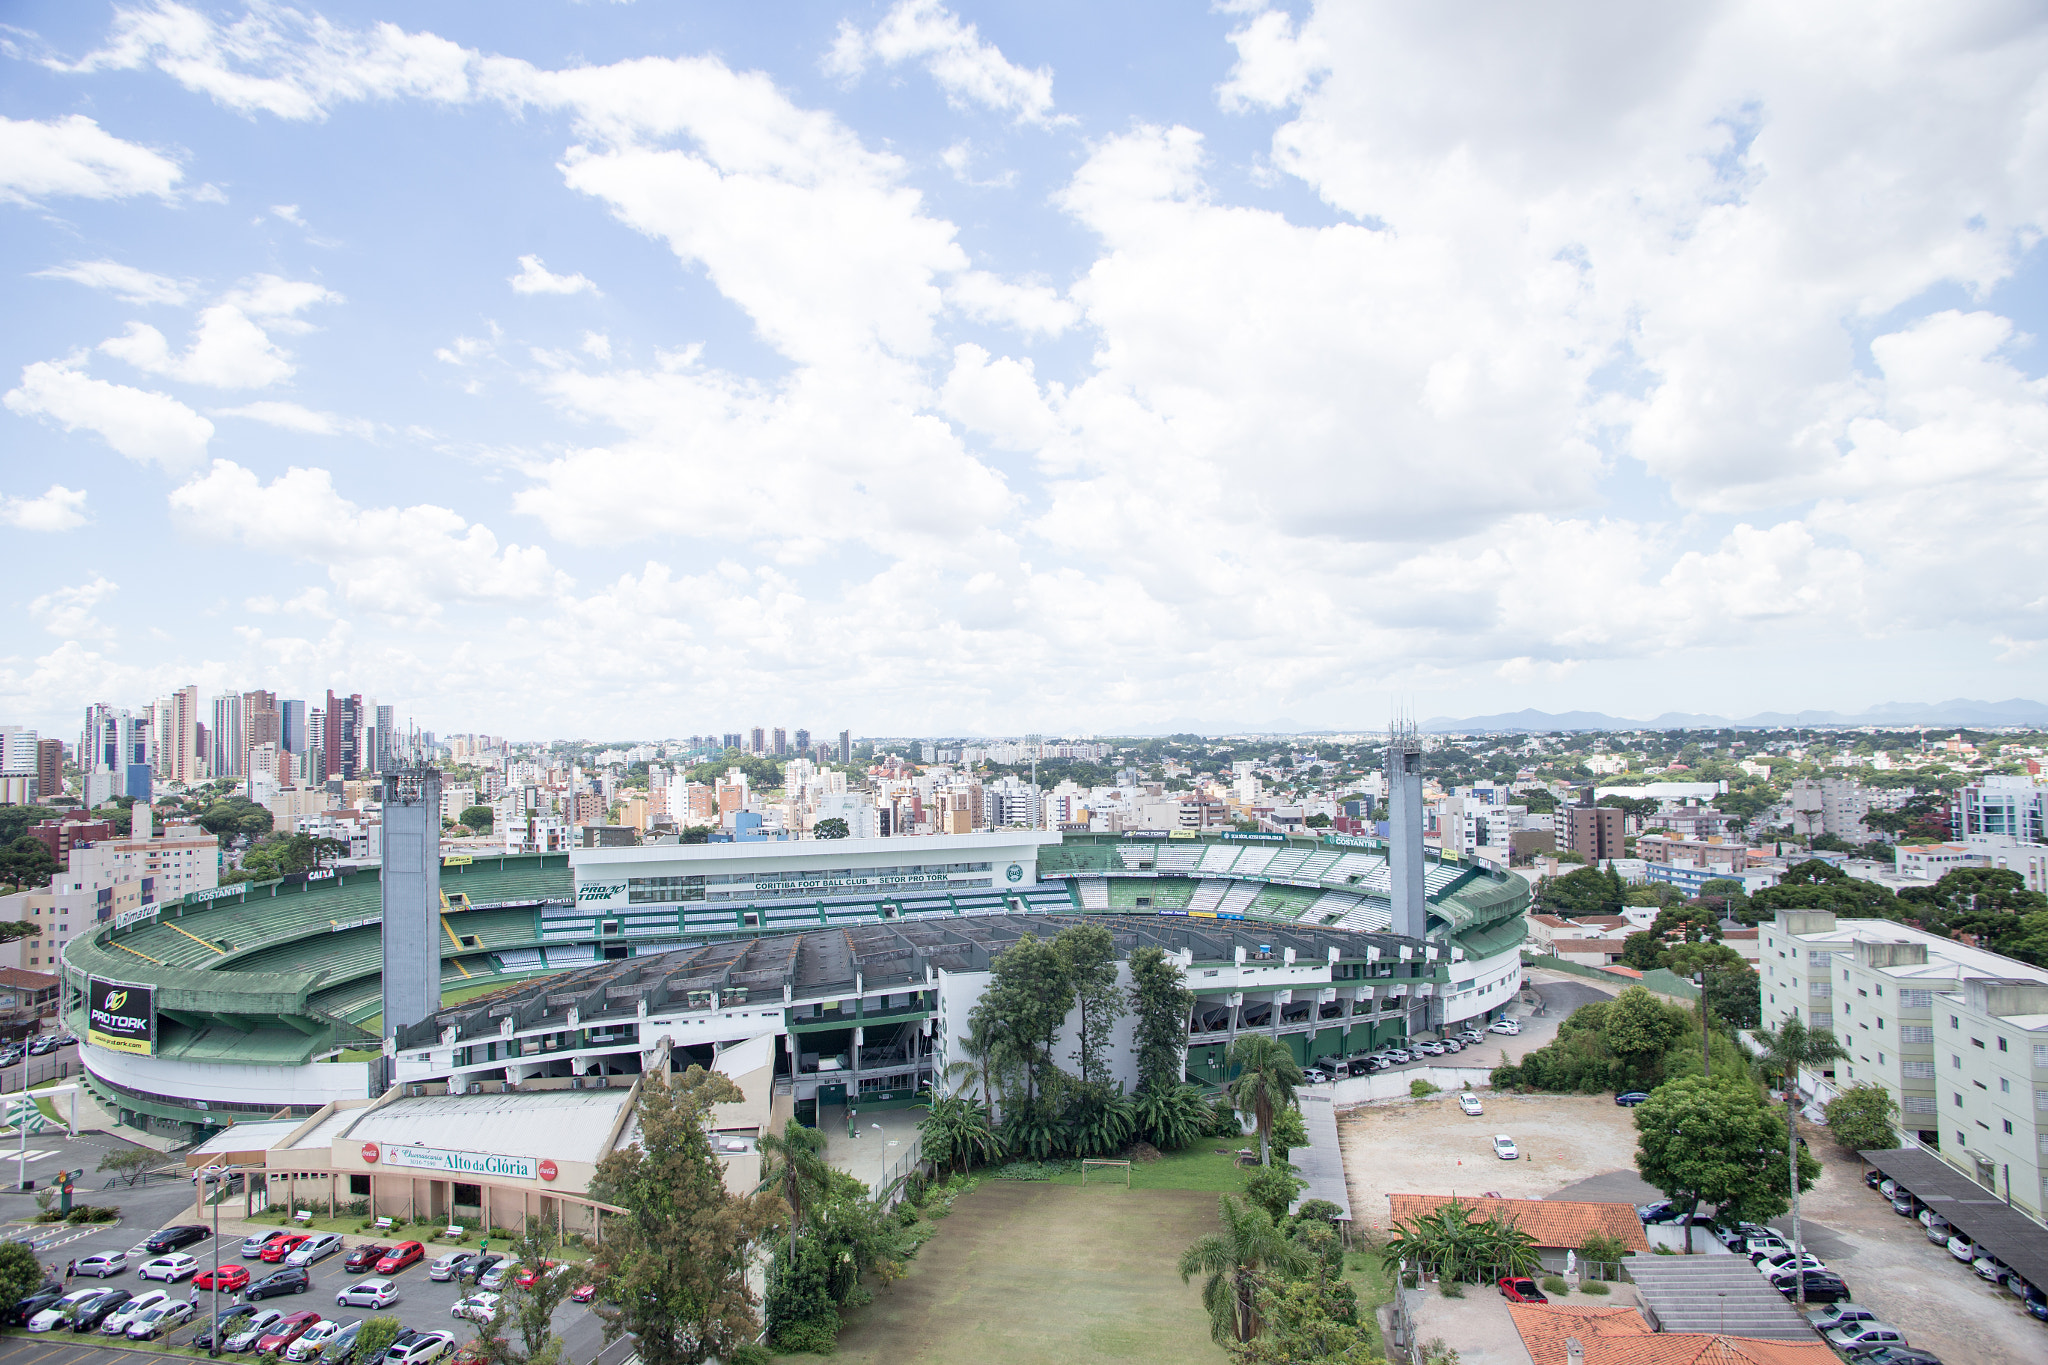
368 1294
170 1269
154 1322
1504 1147
104 1264
1780 1262
1315 1075
430 1347
325 1244
498 1276
444 1267
477 1307
58 1314
313 1338
1963 1249
1507 1026
1469 1102
1865 1334
116 1323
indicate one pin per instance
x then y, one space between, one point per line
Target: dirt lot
1026 1273
1912 1284
1424 1146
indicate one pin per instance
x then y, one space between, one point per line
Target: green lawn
1204 1166
1037 1273
450 995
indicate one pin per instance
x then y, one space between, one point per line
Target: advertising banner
448 1162
121 1018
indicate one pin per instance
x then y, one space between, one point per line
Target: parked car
176 1238
2033 1300
1629 1099
1454 1045
529 1274
583 1293
1991 1268
1839 1315
1778 1262
314 1338
1770 1244
1938 1229
254 1244
1469 1102
58 1314
88 1316
1890 1189
103 1264
160 1318
1504 1147
401 1256
285 1332
1893 1355
449 1266
316 1248
25 1310
42 1046
478 1307
340 1349
1315 1075
368 1294
498 1276
472 1352
1903 1205
1873 1177
288 1280
232 1277
1855 1334
1822 1286
1734 1237
480 1266
423 1349
1518 1290
251 1329
169 1269
1471 1035
1429 1049
1506 1026
364 1258
232 1321
1662 1211
1963 1249
283 1247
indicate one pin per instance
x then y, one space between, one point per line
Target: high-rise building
224 736
342 743
186 757
1593 832
803 740
291 726
262 722
846 746
759 741
730 740
49 768
384 754
781 741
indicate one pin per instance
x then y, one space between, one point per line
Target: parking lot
423 1304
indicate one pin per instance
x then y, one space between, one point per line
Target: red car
283 1246
401 1256
583 1293
232 1277
258 1248
364 1257
287 1331
1522 1290
529 1273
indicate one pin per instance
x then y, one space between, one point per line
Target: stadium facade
850 964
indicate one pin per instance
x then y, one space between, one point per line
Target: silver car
316 1248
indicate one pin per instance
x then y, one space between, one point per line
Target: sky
640 369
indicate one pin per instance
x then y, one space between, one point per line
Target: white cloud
68 613
998 398
124 282
289 213
74 156
293 417
966 68
1033 309
409 562
229 349
1275 64
534 278
59 509
597 345
138 423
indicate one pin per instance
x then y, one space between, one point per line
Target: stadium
264 1000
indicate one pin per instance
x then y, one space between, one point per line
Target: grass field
450 995
1036 1272
1200 1167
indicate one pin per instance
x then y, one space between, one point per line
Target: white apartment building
1956 1034
1930 862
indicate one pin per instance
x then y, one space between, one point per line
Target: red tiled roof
1619 1336
1552 1222
26 980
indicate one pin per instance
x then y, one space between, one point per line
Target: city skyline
975 369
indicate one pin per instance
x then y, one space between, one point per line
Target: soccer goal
1113 1166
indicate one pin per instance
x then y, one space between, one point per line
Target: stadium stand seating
1238 898
1217 858
1370 916
564 956
1252 862
1208 894
1177 858
1135 857
1094 893
1286 862
1331 906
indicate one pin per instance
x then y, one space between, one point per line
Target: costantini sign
458 1163
121 1018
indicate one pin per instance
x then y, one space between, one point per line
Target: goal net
1107 1170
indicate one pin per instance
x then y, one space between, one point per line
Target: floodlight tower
1404 827
412 896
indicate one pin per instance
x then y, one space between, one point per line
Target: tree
956 1131
1641 950
1862 1118
477 818
1317 821
20 1275
530 1309
1989 903
831 827
1715 1141
25 862
1171 1116
1160 1002
1026 1002
236 815
1641 1028
375 1336
1236 1263
1303 1321
675 1263
794 1162
1588 891
1788 1050
1088 955
1446 1242
1266 1075
15 820
1735 995
128 1163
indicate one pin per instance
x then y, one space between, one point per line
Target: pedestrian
69 1271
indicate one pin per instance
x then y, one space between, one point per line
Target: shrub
1419 1088
751 1353
1034 1170
1554 1284
1592 1287
375 1336
1273 1188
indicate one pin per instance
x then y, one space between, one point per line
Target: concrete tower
1404 828
412 896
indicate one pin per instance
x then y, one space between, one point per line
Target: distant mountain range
1956 712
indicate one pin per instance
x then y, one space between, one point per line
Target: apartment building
1593 832
1956 1034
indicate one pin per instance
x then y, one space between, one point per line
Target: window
1953 1022
1919 1070
2001 1045
2004 1086
1977 1042
359 1184
1959 1099
469 1196
1955 1059
2008 1128
1915 1033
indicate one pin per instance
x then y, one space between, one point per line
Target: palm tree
796 1161
1236 1261
957 1131
1266 1077
1789 1049
985 1056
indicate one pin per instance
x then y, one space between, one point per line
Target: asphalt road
423 1303
40 1068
